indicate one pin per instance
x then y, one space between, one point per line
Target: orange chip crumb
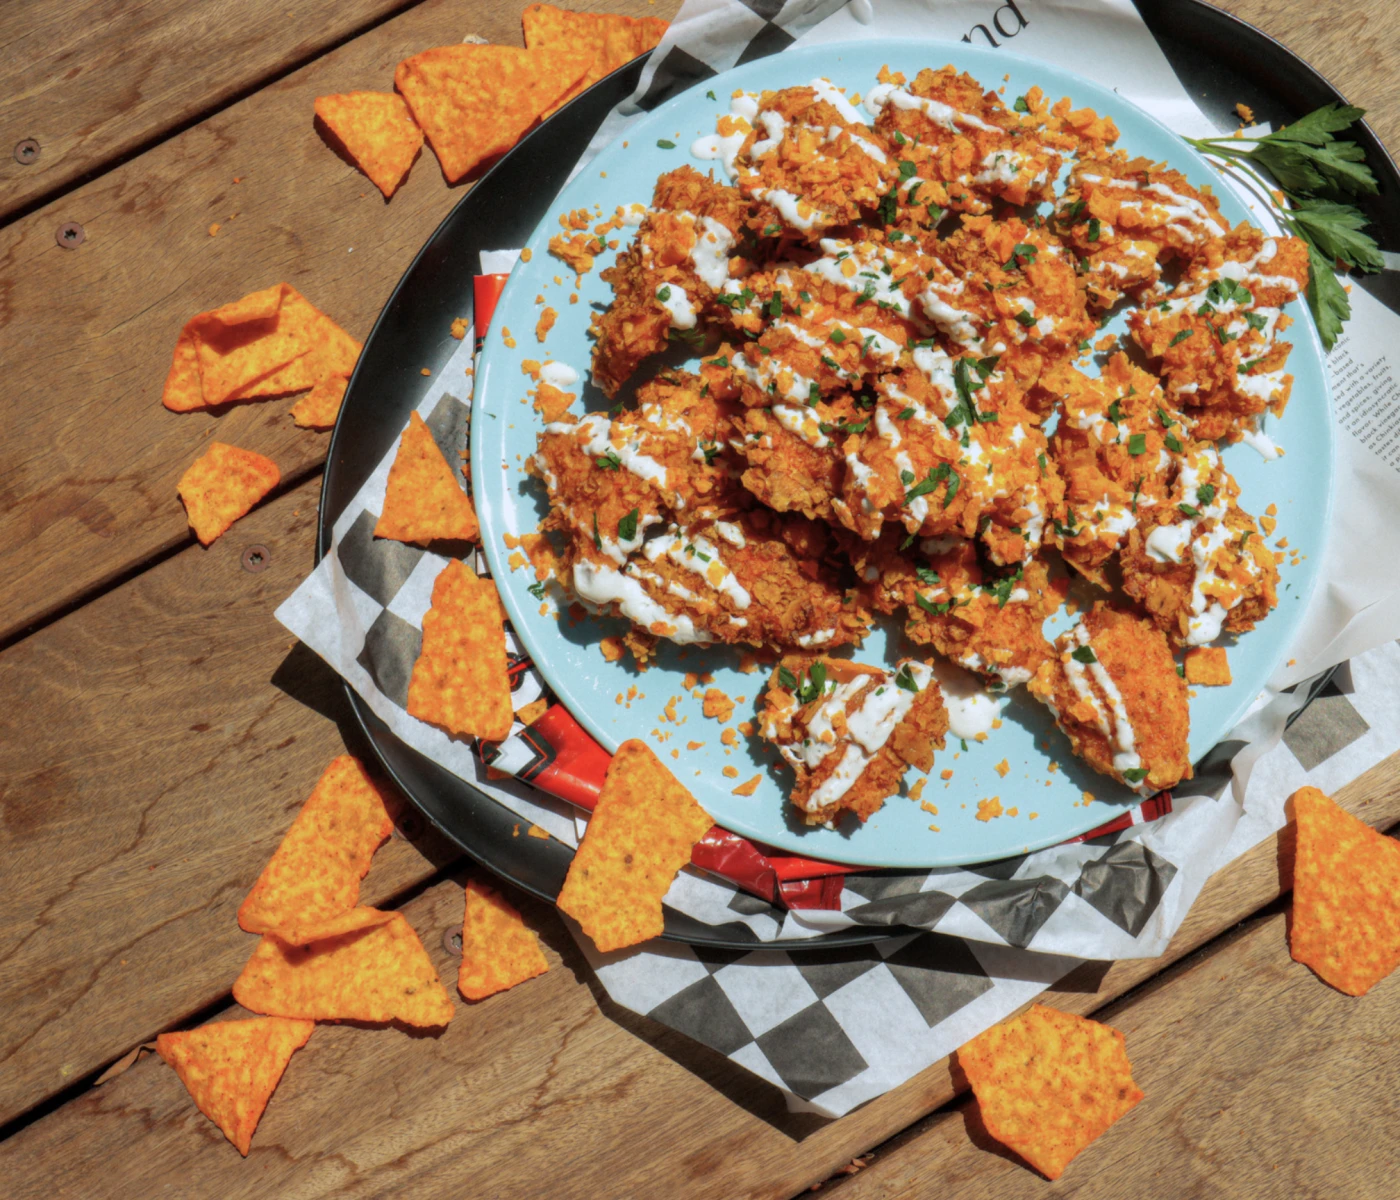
731 772
1245 113
717 705
946 773
460 325
1002 768
530 713
729 737
545 323
693 745
988 810
748 789
612 648
538 831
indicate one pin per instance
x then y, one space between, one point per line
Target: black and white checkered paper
834 1028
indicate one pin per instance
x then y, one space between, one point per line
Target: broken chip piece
231 1068
314 875
1207 666
460 682
381 973
377 131
223 484
640 835
268 343
498 949
1048 1083
610 39
423 501
475 102
1346 896
319 408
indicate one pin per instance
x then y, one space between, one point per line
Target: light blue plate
509 501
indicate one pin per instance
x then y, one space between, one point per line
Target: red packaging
486 290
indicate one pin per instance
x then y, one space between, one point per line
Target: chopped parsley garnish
536 589
627 527
905 679
1180 337
1071 214
907 170
663 293
1085 654
786 678
1205 493
805 297
1094 229
1003 587
597 541
1040 458
905 414
1025 318
1021 106
935 214
1137 488
1225 291
721 361
711 95
1256 320
888 208
814 393
1084 347
1137 444
663 144
1247 366
815 685
1022 255
607 462
1189 511
738 301
907 542
709 452
1135 774
927 575
1115 412
838 336
775 305
1172 444
936 475
936 609
772 230
1220 333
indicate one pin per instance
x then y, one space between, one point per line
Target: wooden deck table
158 728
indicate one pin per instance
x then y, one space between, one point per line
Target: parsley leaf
1180 337
1094 229
815 686
888 208
927 575
1085 654
774 306
664 144
1022 255
607 462
1173 444
786 678
597 541
1188 510
536 589
1021 106
627 527
1137 444
1205 493
663 293
905 679
1135 774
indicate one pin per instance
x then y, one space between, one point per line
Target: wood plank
551 1074
1261 1082
90 460
1353 44
92 80
154 746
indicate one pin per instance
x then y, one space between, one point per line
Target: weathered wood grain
1261 1082
154 747
92 80
1353 44
549 1087
90 458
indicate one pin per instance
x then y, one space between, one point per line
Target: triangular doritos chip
377 131
475 102
423 502
231 1068
221 485
640 835
1346 896
377 974
498 949
320 407
611 40
268 343
1048 1083
460 682
315 874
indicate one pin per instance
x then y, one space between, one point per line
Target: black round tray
1220 60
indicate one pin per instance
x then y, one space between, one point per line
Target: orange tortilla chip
221 485
498 949
377 974
314 875
268 343
1208 666
475 102
1346 896
1048 1083
640 835
231 1068
319 408
377 131
610 40
423 501
459 682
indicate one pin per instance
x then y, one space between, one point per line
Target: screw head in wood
256 558
27 152
452 941
70 235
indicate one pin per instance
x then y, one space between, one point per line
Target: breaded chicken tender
1123 216
1216 334
1115 693
1116 446
670 274
850 731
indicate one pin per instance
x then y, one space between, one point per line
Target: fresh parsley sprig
1317 172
